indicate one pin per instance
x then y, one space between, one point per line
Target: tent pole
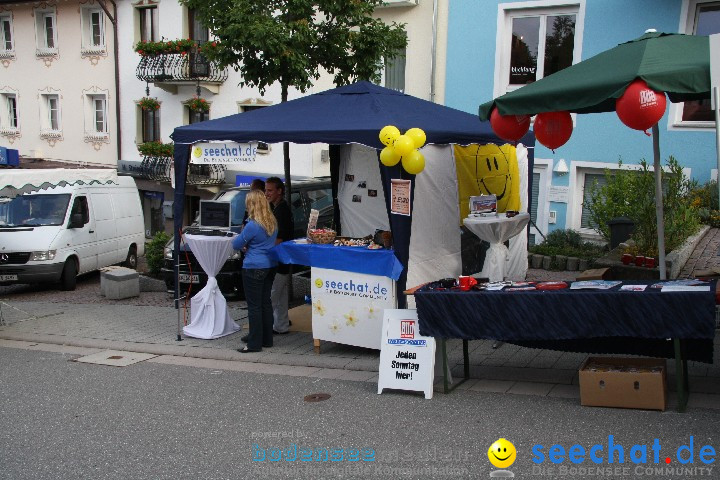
716 108
659 201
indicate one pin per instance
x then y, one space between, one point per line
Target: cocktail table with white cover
496 230
208 309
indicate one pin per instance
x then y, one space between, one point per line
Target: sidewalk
153 329
149 324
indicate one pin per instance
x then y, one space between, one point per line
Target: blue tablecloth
594 321
349 259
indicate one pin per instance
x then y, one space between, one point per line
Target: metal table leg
681 374
466 366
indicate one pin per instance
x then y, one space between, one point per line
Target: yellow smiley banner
484 170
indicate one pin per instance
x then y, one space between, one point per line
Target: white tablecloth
496 231
209 316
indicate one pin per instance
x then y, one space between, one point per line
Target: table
654 323
350 288
496 230
209 315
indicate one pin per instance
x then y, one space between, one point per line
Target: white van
53 235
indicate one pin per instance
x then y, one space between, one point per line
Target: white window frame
508 11
687 26
87 29
46 126
6 126
543 166
41 15
578 170
4 51
402 57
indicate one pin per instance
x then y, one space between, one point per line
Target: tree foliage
287 41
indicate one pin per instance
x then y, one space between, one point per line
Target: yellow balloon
388 134
403 145
417 135
389 157
413 163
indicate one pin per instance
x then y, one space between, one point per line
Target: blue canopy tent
350 114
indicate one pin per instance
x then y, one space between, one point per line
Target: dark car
306 195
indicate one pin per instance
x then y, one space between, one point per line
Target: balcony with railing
168 64
157 161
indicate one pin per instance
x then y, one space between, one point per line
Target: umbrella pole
716 107
659 201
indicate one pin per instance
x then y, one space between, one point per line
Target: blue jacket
258 245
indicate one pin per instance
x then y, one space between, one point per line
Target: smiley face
502 453
318 283
388 134
496 171
197 152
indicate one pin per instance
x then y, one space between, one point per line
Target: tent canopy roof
20 181
350 114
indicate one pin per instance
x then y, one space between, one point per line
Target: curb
265 357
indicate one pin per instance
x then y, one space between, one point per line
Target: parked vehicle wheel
131 261
68 279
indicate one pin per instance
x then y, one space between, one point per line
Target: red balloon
640 107
509 127
553 129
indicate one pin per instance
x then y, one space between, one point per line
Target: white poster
347 307
224 152
400 197
407 359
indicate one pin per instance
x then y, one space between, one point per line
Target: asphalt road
63 419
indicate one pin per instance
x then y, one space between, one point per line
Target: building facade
493 47
57 81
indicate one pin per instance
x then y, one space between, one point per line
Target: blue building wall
472 31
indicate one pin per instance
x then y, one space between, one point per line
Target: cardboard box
595 274
623 383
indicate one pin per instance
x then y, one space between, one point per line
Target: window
534 43
394 73
80 206
148 24
93 24
9 115
197 117
199 65
50 117
705 21
6 34
46 31
97 119
150 125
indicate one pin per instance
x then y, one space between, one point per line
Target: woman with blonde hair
258 272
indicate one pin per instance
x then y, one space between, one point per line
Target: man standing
275 193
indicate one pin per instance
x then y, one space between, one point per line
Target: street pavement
184 418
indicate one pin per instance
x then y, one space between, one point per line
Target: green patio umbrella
676 64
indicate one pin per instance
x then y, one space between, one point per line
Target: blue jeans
257 283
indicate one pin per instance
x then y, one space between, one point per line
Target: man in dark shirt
275 193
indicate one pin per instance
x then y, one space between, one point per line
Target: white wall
69 74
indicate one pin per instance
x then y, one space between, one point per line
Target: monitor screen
214 214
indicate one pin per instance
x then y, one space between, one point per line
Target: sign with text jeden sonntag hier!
229 153
407 359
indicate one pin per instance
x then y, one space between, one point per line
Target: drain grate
316 397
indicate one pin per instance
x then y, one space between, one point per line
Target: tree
287 41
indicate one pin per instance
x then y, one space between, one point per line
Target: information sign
407 359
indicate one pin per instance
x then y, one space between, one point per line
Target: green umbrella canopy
676 64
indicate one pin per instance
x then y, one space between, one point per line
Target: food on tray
374 246
352 242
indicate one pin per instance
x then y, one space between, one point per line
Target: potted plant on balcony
156 149
197 104
148 103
